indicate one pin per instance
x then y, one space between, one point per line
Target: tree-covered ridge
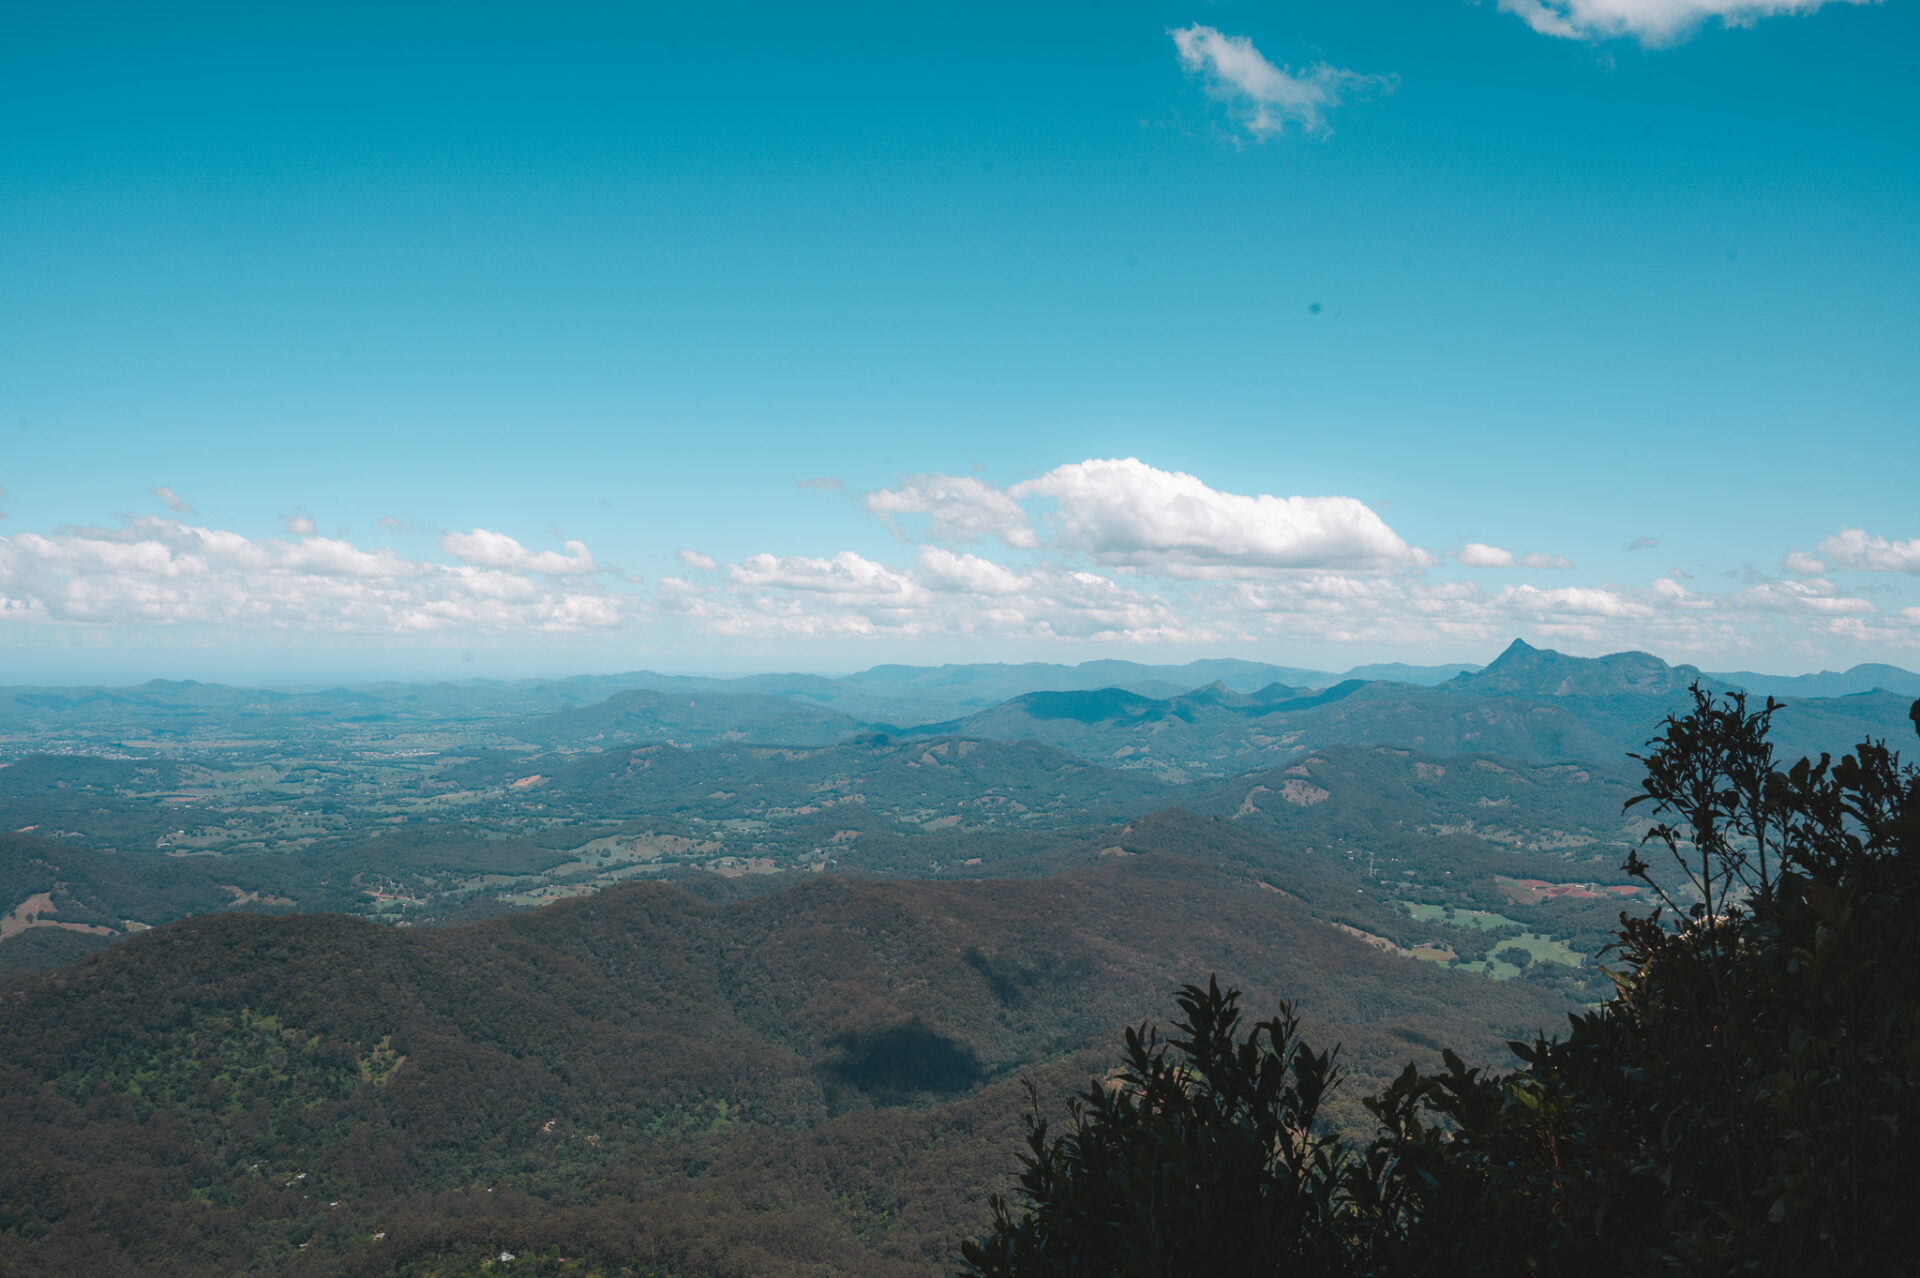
826 1071
1746 1103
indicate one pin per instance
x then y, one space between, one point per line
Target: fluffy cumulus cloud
1477 554
498 551
1414 612
1649 21
1853 548
959 508
1264 98
943 592
1118 550
1070 592
1125 513
1098 551
846 576
1814 596
158 571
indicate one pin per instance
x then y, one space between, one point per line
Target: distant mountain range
883 695
899 695
1215 716
1828 683
1531 704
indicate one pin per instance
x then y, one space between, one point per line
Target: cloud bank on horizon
1103 551
154 571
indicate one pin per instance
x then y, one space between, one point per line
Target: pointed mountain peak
1524 670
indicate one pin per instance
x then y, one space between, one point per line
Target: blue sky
341 341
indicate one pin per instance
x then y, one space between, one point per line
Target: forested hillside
825 1070
711 978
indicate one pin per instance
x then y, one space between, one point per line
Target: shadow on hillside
904 1061
1009 982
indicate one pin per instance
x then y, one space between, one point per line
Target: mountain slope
216 1093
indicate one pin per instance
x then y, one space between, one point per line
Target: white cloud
846 576
960 508
497 550
158 571
1476 554
171 500
1263 97
1812 595
1853 548
1574 601
1100 551
1417 613
1126 513
953 593
394 524
1652 22
944 569
298 525
1668 590
943 593
1643 543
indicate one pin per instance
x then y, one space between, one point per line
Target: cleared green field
1539 948
1484 920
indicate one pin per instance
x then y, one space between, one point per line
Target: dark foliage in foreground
1210 1161
1746 1103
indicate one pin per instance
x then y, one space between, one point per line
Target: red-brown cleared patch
33 912
1534 891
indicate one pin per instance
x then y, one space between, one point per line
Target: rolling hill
828 1070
